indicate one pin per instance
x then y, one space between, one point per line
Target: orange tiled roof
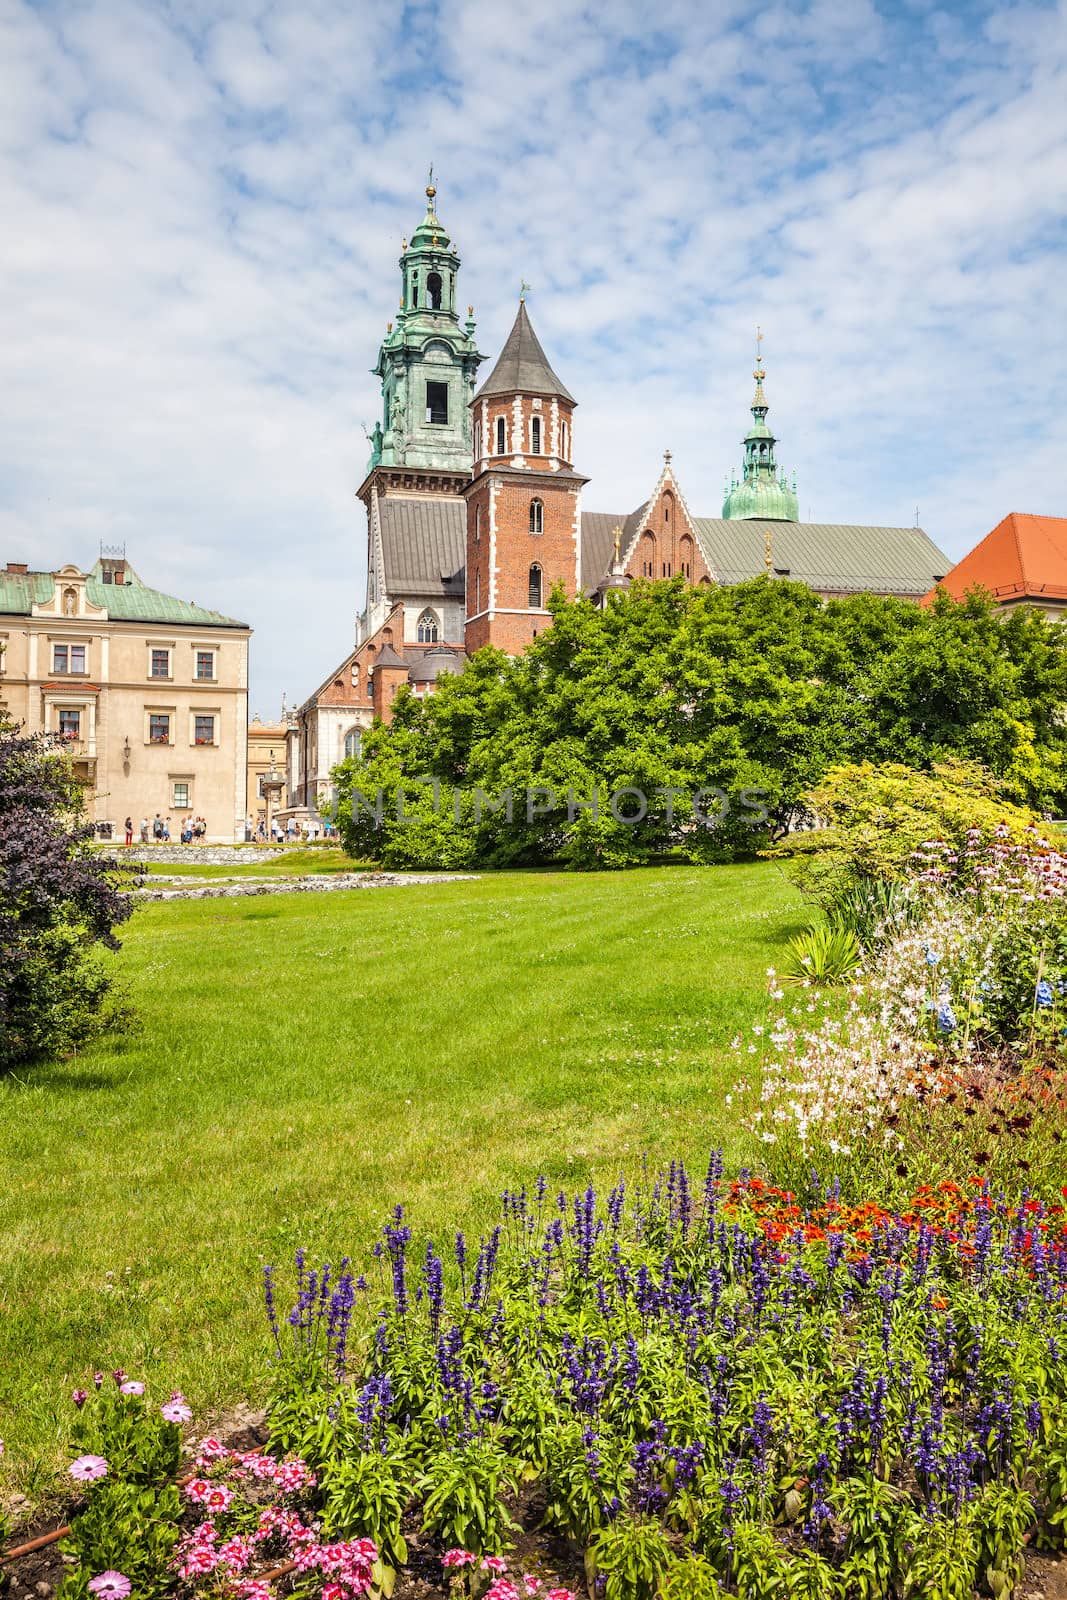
1024 558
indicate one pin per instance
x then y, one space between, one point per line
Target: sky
203 203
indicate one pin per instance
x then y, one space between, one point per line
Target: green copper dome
762 490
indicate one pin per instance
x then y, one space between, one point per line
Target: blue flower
932 957
946 1017
1044 993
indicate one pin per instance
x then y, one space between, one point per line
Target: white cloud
205 206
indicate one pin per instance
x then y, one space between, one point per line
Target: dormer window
535 438
501 436
433 291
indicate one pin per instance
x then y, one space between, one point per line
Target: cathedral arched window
685 558
433 291
501 436
667 510
537 516
427 628
353 739
535 436
648 554
535 587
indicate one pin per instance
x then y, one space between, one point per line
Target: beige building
151 693
266 748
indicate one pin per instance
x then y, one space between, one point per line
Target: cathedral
475 514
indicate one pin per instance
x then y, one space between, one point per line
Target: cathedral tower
428 360
523 502
763 491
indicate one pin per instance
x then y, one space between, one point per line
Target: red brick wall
672 543
485 417
516 550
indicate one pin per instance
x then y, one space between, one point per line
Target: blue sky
203 210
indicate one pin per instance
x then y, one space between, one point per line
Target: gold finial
470 311
759 373
768 554
430 187
433 241
403 244
388 327
618 542
401 302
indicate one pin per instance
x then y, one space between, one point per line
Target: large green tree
751 692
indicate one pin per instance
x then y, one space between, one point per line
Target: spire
762 493
523 366
426 394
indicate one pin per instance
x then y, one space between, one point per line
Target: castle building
475 512
149 692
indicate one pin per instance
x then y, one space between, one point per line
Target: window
433 291
352 742
564 441
70 724
205 664
535 436
537 516
667 510
477 524
666 572
535 587
648 556
414 288
355 674
160 664
685 563
68 658
427 628
180 795
158 728
203 730
477 593
501 436
437 403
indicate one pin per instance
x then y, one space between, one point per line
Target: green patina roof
129 601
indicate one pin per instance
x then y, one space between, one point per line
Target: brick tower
523 501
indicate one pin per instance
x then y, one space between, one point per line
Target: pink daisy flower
176 1411
110 1585
131 1386
87 1469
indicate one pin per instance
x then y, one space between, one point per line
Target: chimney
17 566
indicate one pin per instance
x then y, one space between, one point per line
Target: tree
59 900
671 690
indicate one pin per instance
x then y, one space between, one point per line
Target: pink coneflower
110 1585
88 1468
175 1411
131 1386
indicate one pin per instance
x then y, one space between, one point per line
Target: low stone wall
201 855
328 883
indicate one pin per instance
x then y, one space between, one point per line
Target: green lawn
301 1063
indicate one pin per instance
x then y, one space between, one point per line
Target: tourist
157 828
166 830
129 830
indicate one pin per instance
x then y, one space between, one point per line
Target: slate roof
1024 557
522 367
424 543
839 558
130 601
